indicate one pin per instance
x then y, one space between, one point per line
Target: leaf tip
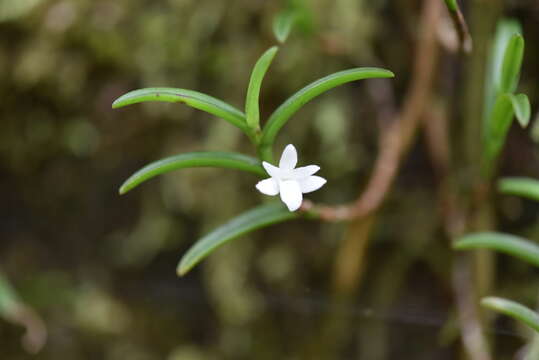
118 103
459 245
123 189
182 269
490 302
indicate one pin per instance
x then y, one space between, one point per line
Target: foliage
502 81
501 103
101 270
248 123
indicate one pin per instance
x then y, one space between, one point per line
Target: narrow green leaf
249 221
451 5
282 114
502 116
11 10
520 186
253 92
9 301
194 159
505 243
192 98
498 126
514 310
505 29
506 107
283 23
512 61
522 108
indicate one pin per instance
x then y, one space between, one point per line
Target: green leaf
512 61
192 98
504 31
520 186
9 301
514 310
10 10
194 159
504 110
282 114
249 221
451 5
522 108
505 243
283 23
498 126
253 92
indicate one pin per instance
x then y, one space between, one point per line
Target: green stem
265 152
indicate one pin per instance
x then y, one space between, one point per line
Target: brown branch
455 218
466 297
465 39
395 141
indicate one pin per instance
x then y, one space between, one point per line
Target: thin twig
472 333
465 39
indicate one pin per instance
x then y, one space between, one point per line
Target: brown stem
395 141
465 39
472 334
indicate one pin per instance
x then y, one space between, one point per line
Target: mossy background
100 268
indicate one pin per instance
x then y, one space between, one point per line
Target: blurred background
97 270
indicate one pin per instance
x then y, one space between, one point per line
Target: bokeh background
99 268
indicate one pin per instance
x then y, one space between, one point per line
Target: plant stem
465 39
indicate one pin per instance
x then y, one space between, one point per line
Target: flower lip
290 182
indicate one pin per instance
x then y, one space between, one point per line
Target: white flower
291 183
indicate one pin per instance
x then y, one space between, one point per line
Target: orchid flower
290 182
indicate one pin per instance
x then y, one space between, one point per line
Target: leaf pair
501 104
517 247
509 244
506 107
248 123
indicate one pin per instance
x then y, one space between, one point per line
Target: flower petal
305 171
312 183
291 194
272 171
289 158
268 187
